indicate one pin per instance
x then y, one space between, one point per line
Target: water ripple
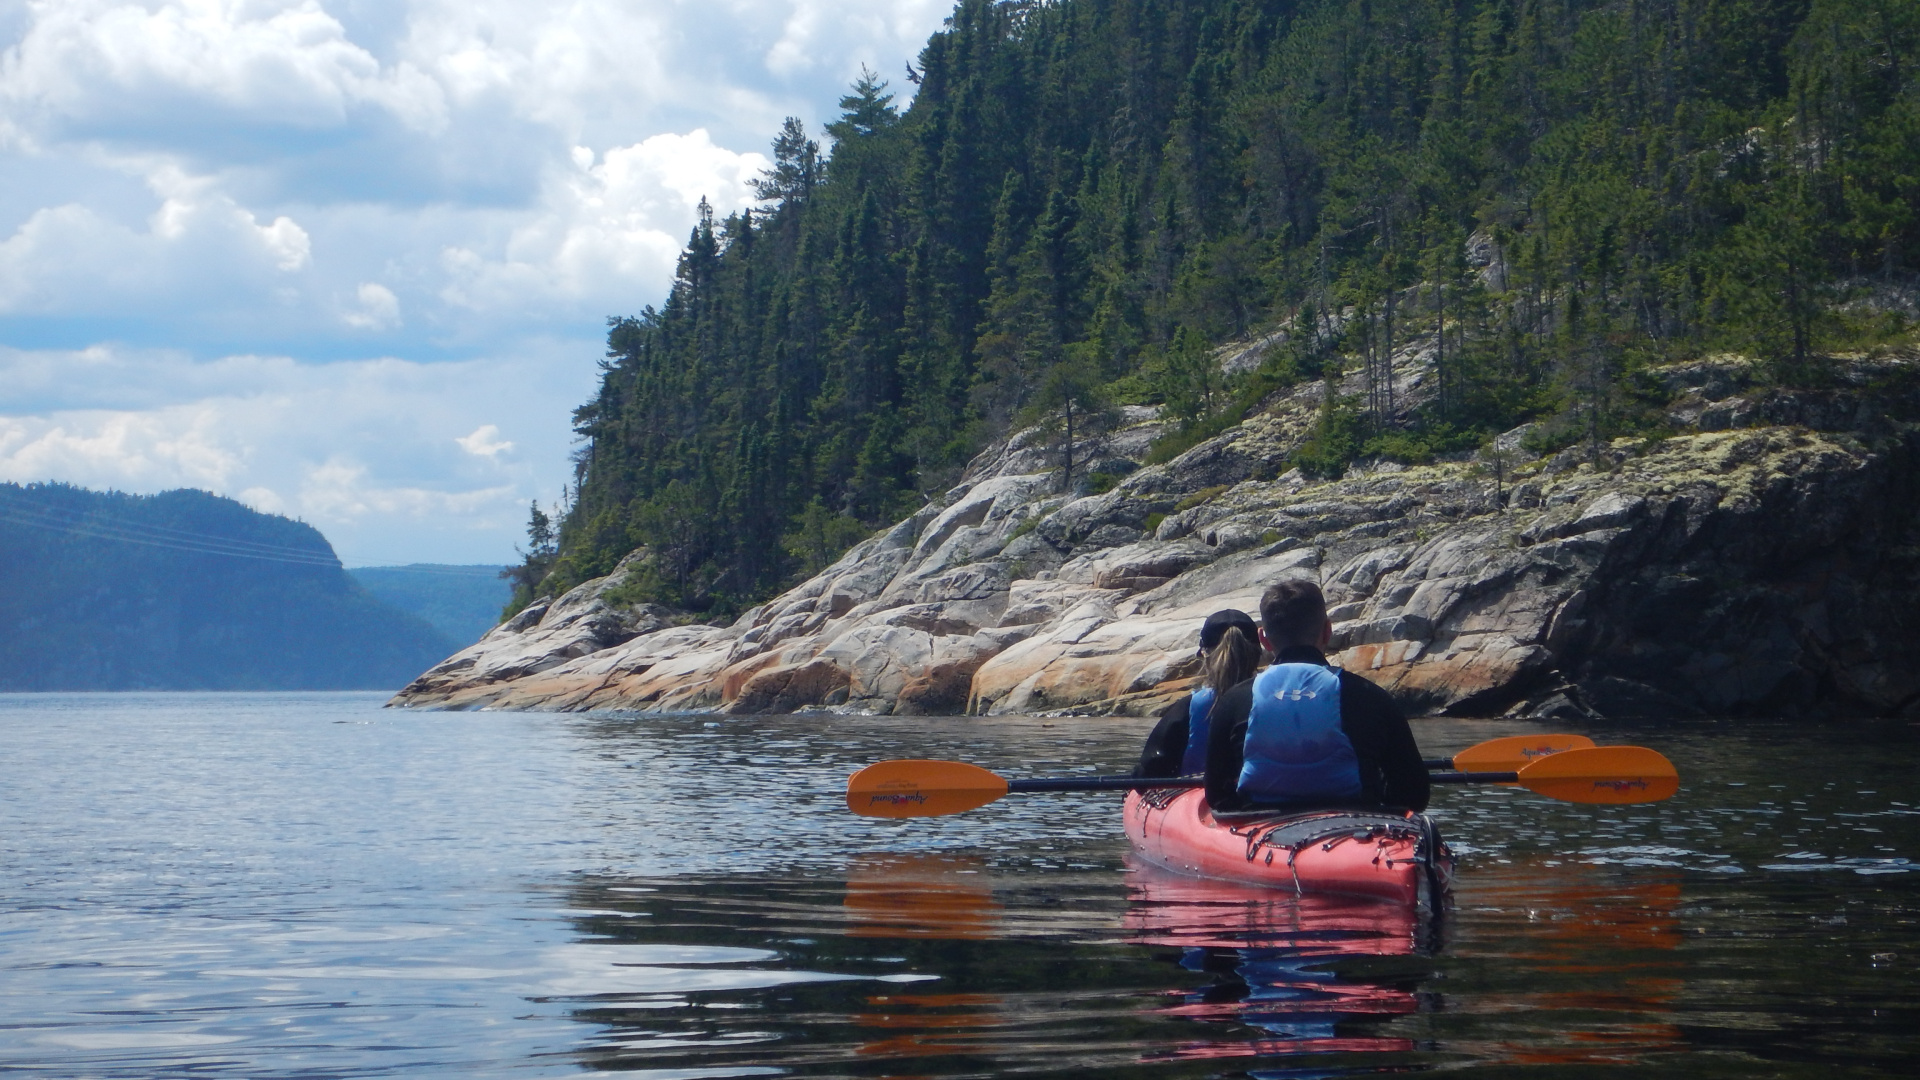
306 886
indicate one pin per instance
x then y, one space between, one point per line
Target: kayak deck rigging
1391 855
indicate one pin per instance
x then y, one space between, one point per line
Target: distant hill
185 590
462 602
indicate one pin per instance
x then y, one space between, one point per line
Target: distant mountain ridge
462 602
185 590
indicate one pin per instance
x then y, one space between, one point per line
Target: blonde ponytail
1232 661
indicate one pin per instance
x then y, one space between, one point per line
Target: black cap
1216 625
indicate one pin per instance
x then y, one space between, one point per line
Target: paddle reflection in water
954 963
905 896
1570 965
1020 939
283 886
923 896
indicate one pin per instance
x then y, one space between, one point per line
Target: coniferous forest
1086 198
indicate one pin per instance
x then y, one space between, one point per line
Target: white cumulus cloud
198 246
287 243
484 442
214 212
341 490
182 446
90 67
378 308
609 230
838 37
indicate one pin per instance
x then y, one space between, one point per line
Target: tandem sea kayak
1396 856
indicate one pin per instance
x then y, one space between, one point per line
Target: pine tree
1085 199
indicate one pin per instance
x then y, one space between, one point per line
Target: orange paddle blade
1603 774
1515 752
921 788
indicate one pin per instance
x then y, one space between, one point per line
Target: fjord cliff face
1748 569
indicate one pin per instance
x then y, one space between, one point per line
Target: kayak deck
1388 855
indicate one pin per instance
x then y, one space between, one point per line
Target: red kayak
1388 855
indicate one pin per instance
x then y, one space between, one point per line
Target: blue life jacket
1199 708
1295 750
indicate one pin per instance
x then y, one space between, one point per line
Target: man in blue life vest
1303 733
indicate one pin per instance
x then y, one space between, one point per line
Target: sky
351 261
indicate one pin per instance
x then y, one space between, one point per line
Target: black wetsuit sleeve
1382 740
1226 746
1167 744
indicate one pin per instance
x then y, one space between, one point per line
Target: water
305 885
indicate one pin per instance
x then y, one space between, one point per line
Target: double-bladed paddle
923 788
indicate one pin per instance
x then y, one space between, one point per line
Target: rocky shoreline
1761 559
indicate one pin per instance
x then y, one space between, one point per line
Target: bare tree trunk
1386 355
1440 339
1067 485
1386 358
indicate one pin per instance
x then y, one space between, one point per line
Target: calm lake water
305 885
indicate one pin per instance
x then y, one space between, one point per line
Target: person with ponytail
1305 734
1229 655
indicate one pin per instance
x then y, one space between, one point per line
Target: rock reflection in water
1273 958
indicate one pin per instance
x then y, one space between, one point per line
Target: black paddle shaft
1475 778
1133 783
1105 783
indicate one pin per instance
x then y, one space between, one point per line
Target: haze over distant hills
462 602
187 590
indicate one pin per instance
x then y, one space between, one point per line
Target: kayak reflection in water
1230 654
1303 733
1273 958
